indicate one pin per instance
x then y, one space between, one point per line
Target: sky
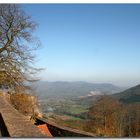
98 43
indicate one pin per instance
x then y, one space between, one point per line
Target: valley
68 103
75 110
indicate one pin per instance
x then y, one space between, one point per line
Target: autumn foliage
110 118
25 103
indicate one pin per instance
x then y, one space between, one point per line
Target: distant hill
130 95
59 88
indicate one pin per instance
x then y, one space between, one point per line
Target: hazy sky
88 42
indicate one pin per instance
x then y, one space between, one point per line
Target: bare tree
102 115
109 117
16 48
133 120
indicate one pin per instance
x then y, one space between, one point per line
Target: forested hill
130 95
73 88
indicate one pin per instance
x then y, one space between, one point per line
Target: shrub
25 103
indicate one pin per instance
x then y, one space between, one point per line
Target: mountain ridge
75 88
130 95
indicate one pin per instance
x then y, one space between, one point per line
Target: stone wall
3 129
14 124
17 124
60 131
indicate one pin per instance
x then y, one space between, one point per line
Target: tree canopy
17 45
